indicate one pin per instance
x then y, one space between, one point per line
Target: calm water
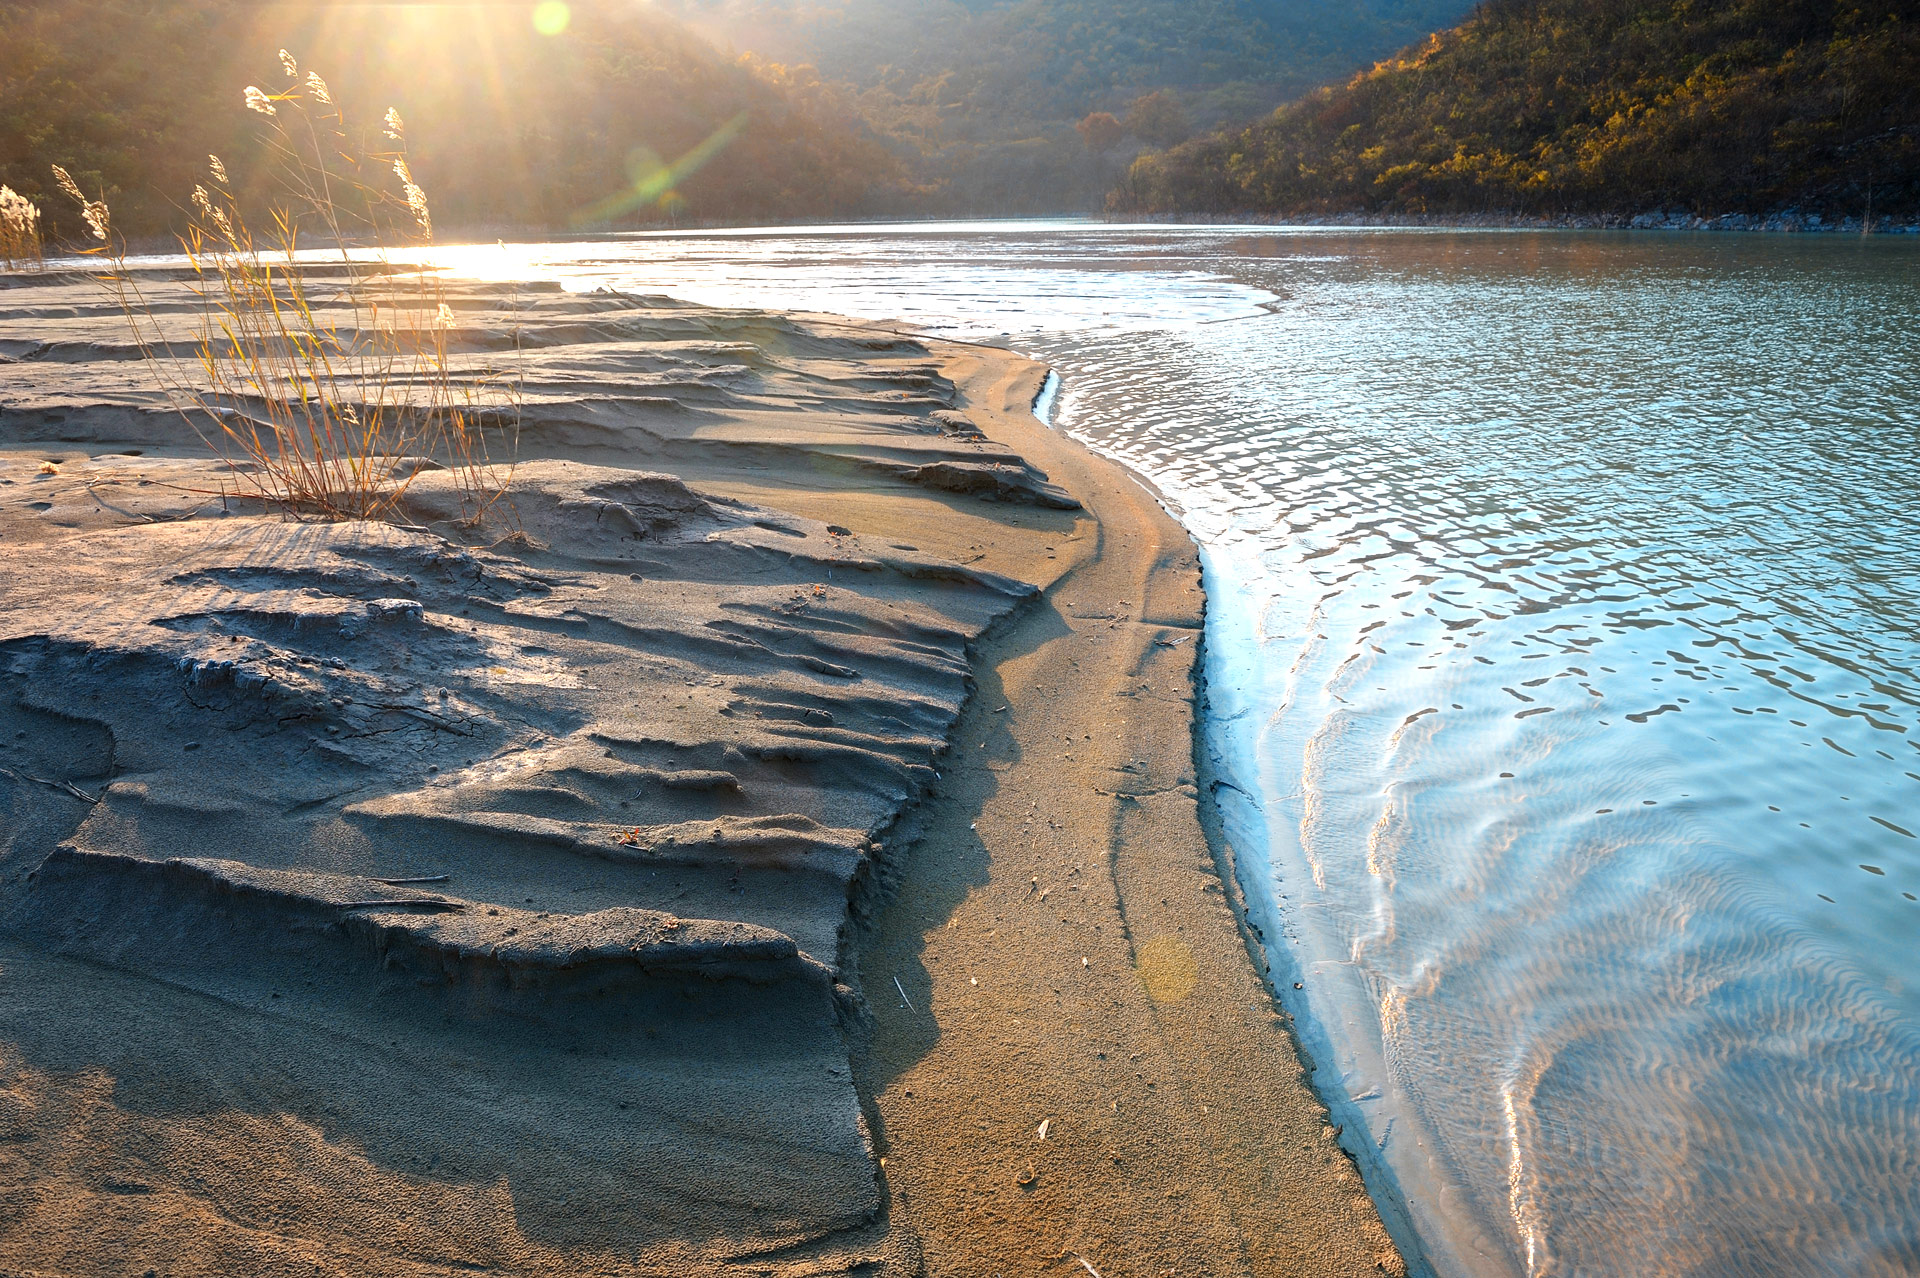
1565 667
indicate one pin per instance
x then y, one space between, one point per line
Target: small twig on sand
432 878
1084 1264
427 903
903 994
427 717
67 787
91 487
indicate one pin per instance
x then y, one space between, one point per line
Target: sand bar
809 782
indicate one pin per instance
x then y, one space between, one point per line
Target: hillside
1556 107
508 127
981 98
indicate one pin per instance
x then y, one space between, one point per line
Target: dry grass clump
20 247
323 390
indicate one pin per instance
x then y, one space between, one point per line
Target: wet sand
1070 949
819 665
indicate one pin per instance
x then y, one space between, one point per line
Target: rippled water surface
1565 677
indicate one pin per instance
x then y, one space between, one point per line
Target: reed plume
20 247
322 398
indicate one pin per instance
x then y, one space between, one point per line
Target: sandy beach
780 850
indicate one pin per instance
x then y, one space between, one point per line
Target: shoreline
1238 824
1190 1077
1787 223
1770 223
1234 829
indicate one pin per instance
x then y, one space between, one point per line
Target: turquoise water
1564 665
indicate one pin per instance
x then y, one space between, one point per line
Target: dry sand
813 786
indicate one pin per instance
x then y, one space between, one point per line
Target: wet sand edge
1073 1062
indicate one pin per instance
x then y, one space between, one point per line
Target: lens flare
655 182
552 17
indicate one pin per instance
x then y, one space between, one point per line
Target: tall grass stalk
323 391
20 247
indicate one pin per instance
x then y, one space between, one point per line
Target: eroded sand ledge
659 747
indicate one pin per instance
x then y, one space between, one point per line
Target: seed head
445 317
218 170
94 213
396 128
417 205
286 60
67 184
213 213
318 88
258 101
17 212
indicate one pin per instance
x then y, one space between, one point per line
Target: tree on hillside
1158 119
1101 132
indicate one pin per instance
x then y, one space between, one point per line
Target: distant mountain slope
507 126
1569 106
981 97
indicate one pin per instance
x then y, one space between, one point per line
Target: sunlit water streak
1564 664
